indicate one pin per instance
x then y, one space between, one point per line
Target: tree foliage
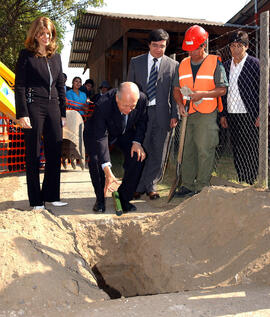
17 15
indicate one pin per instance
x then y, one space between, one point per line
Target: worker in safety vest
201 79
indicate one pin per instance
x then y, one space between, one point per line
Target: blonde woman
41 110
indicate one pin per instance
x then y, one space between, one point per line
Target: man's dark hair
239 37
89 81
158 35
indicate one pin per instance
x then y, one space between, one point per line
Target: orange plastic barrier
12 148
86 109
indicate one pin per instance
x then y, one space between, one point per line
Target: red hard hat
194 37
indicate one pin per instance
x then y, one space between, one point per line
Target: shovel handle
182 134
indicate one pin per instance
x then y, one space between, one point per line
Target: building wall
97 71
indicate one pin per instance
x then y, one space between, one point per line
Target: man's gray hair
130 86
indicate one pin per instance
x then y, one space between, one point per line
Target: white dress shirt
235 103
150 64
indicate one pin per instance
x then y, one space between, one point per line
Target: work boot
183 191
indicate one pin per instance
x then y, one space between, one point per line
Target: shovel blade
175 184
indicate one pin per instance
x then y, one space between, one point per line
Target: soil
208 255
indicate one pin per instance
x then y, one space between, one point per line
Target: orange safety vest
204 81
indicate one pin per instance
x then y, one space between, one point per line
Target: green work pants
199 150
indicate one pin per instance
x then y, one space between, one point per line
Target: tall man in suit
119 118
154 73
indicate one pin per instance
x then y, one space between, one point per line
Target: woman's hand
64 121
25 123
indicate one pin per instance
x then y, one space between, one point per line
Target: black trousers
132 167
244 137
45 119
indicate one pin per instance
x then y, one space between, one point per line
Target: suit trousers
244 136
45 119
132 167
200 144
155 143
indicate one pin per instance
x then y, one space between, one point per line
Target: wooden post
125 56
264 99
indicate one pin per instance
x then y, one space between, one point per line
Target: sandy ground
76 189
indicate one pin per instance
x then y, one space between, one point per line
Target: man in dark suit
241 107
154 73
119 118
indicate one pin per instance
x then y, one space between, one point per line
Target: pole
256 24
264 97
124 61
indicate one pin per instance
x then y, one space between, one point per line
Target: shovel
177 179
167 155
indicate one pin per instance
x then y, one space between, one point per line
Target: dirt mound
54 263
40 265
217 238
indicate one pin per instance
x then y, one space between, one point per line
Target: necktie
151 86
124 118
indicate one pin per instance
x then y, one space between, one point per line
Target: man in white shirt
241 107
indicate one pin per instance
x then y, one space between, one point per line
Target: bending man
119 118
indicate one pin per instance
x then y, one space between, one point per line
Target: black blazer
248 85
32 72
105 125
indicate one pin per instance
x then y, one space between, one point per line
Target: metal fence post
264 99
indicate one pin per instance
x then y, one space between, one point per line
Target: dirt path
77 190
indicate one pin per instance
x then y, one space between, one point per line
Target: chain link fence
242 152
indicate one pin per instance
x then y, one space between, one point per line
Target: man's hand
173 123
257 122
136 147
111 181
196 96
223 122
25 123
182 110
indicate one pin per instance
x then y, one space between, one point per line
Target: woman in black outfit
41 110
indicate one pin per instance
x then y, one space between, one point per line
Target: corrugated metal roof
84 34
88 24
153 18
247 11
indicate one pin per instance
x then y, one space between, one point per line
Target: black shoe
99 207
126 206
183 191
137 195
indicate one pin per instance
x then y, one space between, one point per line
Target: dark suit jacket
248 84
105 125
165 103
32 72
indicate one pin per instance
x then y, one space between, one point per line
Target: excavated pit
217 238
